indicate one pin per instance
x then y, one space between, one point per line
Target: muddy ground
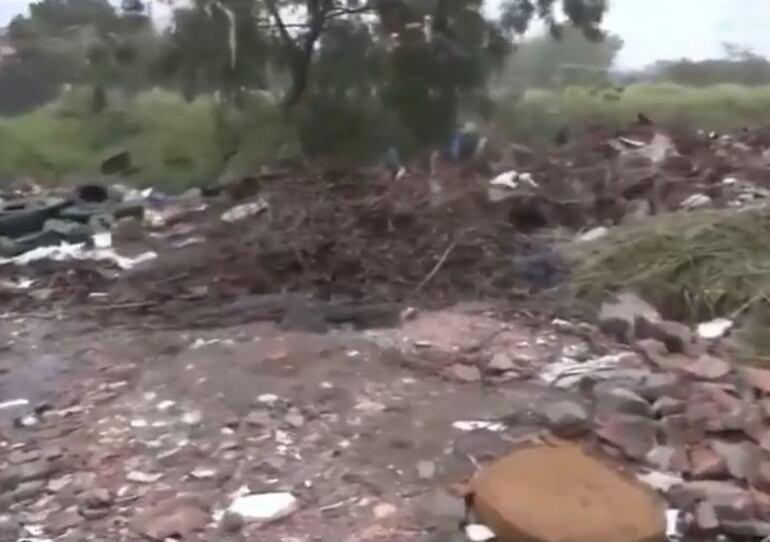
357 425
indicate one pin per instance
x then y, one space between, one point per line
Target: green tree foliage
83 41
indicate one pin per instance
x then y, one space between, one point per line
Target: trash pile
430 237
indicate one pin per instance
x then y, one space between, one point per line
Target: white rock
715 328
240 212
264 506
659 481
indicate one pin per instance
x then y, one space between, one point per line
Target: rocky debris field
345 356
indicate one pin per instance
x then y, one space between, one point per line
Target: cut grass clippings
691 266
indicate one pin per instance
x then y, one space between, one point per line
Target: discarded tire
92 193
25 216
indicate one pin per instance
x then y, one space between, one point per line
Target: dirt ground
357 425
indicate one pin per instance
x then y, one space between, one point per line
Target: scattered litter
714 329
567 373
203 473
14 403
476 532
513 179
264 506
165 405
194 417
68 251
673 524
268 398
242 211
594 234
696 201
659 481
200 343
143 477
479 425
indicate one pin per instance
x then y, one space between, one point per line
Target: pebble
465 373
384 510
29 490
566 418
426 470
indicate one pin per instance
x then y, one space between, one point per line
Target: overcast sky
651 29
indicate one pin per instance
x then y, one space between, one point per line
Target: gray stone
501 362
614 400
706 519
10 528
465 373
742 459
566 418
708 368
633 435
17 457
668 459
258 418
659 385
38 470
731 502
668 406
426 470
621 318
751 529
677 337
439 507
29 490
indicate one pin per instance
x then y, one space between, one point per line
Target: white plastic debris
165 405
673 524
714 329
14 403
476 532
567 372
203 473
513 179
696 201
594 234
102 239
264 506
143 477
244 210
631 142
478 425
659 481
729 181
268 398
68 251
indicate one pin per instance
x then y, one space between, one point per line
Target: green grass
174 144
538 114
177 144
691 266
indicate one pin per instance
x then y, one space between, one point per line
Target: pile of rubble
693 426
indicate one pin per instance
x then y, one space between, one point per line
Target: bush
538 114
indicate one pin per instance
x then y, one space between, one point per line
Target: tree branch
275 13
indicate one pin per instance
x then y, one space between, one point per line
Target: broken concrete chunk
263 507
668 406
633 435
560 494
615 400
758 378
742 458
173 518
621 318
658 385
465 373
566 418
668 459
730 501
677 337
706 463
706 517
708 367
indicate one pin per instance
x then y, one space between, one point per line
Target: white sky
651 29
